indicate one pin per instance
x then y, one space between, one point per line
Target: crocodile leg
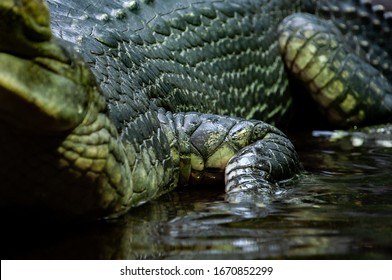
250 155
61 150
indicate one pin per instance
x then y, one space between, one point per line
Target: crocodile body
128 99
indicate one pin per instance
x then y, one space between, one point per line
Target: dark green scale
222 56
217 57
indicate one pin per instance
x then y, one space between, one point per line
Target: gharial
107 104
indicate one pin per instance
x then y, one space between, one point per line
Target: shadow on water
341 209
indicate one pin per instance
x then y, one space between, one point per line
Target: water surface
341 209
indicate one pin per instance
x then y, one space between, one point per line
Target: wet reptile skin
171 87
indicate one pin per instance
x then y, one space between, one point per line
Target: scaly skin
97 105
347 89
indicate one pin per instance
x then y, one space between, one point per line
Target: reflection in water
341 209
